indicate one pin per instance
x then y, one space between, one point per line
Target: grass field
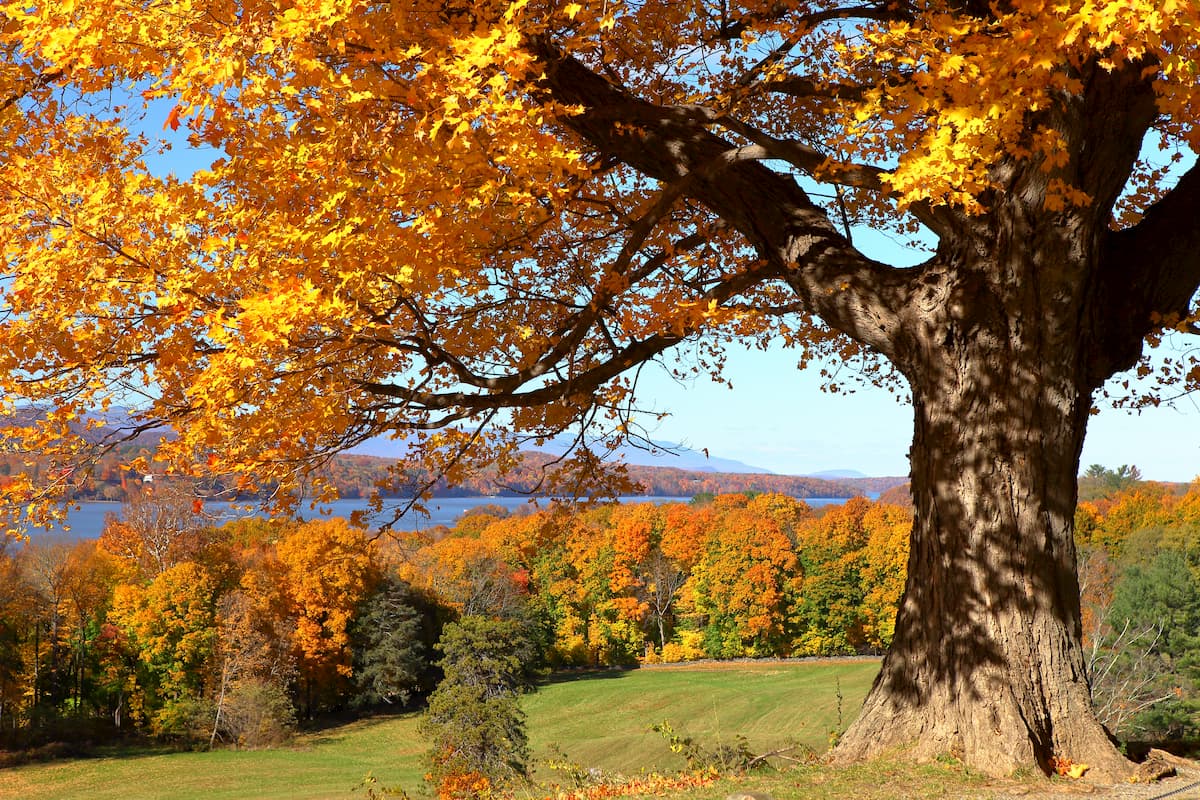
596 719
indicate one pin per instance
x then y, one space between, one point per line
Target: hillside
596 719
357 476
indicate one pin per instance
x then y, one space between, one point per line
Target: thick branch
791 234
40 80
1153 269
733 29
804 86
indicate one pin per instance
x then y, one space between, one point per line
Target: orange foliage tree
743 583
326 572
427 217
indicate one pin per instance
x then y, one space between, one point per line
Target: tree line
360 476
1139 556
169 627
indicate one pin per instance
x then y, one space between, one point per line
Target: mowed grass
597 719
604 720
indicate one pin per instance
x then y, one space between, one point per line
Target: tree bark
987 663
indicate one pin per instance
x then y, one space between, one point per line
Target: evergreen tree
390 655
1162 593
474 724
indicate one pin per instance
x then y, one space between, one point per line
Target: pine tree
474 724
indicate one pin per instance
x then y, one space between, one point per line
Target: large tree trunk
1027 308
987 663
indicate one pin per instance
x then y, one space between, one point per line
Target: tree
47 571
743 584
1148 646
159 527
173 626
1099 481
831 613
429 218
256 666
1127 673
475 727
390 656
467 574
882 570
327 572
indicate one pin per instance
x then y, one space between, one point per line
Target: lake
87 521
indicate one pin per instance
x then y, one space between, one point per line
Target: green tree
744 584
1162 594
474 724
390 655
1100 481
1144 670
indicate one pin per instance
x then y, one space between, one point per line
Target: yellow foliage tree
426 218
326 571
173 623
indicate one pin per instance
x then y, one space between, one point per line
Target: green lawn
605 721
596 719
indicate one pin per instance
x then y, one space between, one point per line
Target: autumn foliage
269 621
742 576
463 223
279 620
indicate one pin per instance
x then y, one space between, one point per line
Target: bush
187 720
257 714
686 646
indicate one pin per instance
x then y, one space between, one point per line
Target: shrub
187 720
686 646
256 714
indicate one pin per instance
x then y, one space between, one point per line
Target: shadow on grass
575 675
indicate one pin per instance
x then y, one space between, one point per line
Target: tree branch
510 392
733 29
804 86
794 236
1152 270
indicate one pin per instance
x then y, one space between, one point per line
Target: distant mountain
655 454
675 456
660 468
834 474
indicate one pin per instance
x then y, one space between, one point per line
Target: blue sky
776 417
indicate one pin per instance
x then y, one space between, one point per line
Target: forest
169 629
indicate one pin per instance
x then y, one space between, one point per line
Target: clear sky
776 417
